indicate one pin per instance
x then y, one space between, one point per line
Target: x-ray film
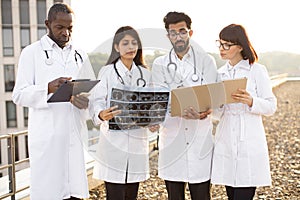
139 108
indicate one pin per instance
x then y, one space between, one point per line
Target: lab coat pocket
39 135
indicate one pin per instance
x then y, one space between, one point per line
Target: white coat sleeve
100 95
26 92
265 103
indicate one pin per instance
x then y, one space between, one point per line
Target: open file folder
66 90
204 97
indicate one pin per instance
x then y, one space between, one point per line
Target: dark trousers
116 191
198 191
240 193
72 198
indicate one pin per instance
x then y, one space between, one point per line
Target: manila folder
204 97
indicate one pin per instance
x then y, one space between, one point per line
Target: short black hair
175 17
58 7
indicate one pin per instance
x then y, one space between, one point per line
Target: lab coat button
187 143
186 129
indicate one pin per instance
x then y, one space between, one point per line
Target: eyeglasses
183 33
225 46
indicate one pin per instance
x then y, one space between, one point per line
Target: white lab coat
241 153
55 150
185 146
119 151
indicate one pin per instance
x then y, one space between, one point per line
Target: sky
271 25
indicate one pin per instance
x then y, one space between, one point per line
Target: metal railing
277 80
11 166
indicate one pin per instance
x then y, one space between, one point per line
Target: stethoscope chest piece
195 77
49 61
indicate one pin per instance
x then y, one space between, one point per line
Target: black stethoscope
194 77
141 79
49 61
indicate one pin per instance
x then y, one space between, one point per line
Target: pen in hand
55 84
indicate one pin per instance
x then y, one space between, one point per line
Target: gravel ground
282 132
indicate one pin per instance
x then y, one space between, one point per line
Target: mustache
179 41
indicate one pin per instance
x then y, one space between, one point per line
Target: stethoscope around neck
194 77
49 61
141 79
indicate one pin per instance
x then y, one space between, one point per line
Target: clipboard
204 97
66 90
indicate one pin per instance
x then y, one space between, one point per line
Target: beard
61 42
182 48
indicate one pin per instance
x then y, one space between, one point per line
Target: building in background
22 22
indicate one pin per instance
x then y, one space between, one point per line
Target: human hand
243 96
80 100
55 84
191 113
109 113
154 127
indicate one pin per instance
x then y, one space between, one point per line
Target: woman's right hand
109 113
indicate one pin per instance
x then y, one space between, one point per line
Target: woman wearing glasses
240 160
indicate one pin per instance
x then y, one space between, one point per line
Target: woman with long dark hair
122 154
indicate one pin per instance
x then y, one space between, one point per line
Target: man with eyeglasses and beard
185 144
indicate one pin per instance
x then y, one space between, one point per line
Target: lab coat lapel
224 73
242 69
124 72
